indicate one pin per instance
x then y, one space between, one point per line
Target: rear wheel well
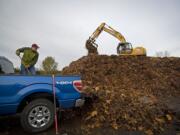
34 96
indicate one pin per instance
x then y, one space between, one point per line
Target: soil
128 93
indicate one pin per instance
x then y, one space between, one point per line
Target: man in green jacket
29 59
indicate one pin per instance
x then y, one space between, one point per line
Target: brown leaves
169 118
149 132
108 101
92 114
129 90
160 120
114 125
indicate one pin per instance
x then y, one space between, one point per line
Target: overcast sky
61 27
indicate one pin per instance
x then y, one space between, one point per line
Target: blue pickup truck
32 97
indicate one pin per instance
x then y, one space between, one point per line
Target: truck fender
36 88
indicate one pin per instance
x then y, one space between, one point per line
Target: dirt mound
127 92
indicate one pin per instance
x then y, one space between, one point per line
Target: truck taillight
78 85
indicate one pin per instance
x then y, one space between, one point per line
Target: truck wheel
37 116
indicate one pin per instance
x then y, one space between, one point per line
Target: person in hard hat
29 59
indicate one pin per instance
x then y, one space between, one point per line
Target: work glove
27 66
17 53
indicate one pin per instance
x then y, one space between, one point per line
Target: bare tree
49 65
166 54
162 54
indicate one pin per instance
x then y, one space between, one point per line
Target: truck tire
37 116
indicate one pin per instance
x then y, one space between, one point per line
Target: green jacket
30 57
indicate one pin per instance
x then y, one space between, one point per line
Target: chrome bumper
79 102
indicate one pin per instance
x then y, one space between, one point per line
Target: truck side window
1 72
6 66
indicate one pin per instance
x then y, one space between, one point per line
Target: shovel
23 64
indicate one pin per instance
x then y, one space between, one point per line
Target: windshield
125 48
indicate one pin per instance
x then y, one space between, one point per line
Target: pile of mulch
127 92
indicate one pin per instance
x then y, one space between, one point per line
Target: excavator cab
124 48
127 49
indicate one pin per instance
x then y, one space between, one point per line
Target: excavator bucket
91 47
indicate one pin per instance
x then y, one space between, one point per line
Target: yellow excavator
123 48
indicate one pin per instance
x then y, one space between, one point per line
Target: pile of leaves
126 92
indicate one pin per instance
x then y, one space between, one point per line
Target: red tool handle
55 110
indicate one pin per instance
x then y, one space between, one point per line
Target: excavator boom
115 33
108 29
